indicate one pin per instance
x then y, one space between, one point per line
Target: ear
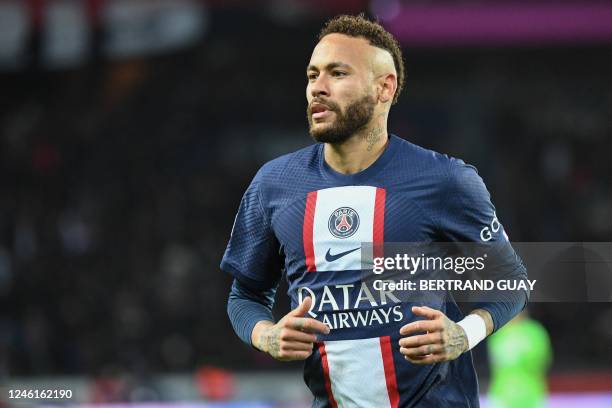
387 85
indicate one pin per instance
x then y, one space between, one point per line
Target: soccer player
520 356
309 212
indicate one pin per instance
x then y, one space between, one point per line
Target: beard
356 117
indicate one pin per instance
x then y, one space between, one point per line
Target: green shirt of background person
520 355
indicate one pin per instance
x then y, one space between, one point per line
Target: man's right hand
292 337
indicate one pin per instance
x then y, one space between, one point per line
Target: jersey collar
367 173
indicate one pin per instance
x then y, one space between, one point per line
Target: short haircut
377 36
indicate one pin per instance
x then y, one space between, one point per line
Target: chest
325 230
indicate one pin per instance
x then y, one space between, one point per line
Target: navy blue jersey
301 216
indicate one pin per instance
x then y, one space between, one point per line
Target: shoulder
288 165
443 168
450 178
463 179
288 162
422 154
288 169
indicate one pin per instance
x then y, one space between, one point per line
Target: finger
291 355
309 325
427 312
430 359
301 355
421 326
288 334
296 346
302 308
416 341
422 350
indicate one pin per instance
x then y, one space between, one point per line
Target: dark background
119 182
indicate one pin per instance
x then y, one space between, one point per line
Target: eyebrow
329 66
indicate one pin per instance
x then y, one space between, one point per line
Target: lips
319 110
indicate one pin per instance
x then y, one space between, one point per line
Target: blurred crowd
120 180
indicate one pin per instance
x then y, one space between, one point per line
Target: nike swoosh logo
331 258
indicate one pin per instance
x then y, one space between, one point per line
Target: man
310 211
520 356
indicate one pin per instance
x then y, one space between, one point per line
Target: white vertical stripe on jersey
359 198
357 373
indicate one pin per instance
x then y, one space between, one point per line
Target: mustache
332 106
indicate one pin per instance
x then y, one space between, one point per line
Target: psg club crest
343 222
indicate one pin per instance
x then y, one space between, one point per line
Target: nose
319 86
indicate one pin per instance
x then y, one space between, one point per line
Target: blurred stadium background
129 130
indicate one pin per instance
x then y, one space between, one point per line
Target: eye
312 76
339 73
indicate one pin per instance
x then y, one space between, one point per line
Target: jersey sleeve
467 215
252 255
246 307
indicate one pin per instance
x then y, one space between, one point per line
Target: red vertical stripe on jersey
378 233
387 355
307 231
325 364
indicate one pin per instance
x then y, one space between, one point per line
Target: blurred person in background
520 355
309 212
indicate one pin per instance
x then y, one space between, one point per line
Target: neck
361 150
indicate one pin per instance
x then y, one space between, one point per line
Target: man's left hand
433 340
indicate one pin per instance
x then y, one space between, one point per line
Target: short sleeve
253 253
